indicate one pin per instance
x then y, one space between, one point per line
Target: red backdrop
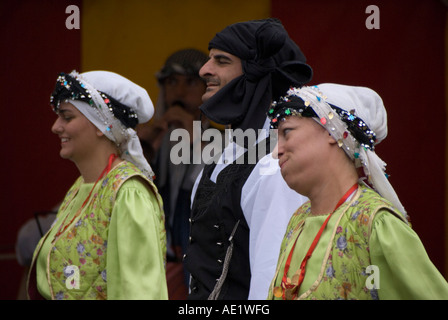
36 46
404 62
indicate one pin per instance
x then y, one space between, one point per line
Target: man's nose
205 69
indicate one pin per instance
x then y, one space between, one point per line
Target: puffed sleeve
136 250
405 270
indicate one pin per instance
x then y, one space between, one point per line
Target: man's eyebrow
221 56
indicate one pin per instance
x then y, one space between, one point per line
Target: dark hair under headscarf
271 63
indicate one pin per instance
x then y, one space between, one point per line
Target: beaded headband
68 87
116 120
310 102
351 133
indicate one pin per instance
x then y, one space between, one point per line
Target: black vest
215 212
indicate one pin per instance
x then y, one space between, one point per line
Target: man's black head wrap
271 63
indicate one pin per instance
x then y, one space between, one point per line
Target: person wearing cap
240 210
181 90
353 239
108 240
180 96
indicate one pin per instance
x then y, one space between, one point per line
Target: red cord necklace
289 288
106 170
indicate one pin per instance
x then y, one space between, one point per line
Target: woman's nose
275 152
56 128
278 151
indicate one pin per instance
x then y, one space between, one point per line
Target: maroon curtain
403 61
36 46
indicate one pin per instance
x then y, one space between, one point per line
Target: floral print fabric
342 272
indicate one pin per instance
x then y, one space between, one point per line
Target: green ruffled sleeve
136 251
405 270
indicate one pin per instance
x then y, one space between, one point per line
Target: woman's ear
331 140
99 133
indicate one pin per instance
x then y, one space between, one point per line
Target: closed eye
65 115
286 130
222 59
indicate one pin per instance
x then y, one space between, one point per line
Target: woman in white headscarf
108 240
352 240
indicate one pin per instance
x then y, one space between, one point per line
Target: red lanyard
288 285
106 170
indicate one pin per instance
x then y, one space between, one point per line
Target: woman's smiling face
301 150
78 135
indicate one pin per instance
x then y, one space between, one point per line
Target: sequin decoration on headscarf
69 88
354 116
271 63
114 104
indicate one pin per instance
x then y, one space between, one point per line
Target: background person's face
184 90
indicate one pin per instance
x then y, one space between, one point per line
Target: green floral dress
366 252
113 248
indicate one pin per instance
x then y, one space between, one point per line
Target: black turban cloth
271 64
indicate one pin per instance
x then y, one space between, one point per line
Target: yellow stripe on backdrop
133 38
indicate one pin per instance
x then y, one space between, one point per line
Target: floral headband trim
351 133
295 103
69 87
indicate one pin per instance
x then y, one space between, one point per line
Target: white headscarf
127 93
366 104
